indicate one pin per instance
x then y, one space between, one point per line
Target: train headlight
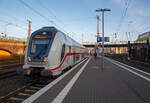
29 59
45 59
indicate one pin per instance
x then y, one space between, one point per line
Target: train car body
142 38
50 51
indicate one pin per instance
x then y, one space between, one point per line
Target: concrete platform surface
89 83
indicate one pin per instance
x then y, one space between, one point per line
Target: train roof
55 30
73 42
143 35
51 29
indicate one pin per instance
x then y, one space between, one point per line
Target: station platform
88 82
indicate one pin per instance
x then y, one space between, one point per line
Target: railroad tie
16 99
29 90
32 87
24 94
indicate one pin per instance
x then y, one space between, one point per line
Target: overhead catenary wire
12 24
16 19
35 11
127 4
3 21
41 15
51 13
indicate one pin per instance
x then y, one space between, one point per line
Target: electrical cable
127 4
13 24
51 13
38 13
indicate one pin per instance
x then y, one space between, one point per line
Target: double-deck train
50 51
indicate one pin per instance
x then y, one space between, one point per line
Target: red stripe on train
68 54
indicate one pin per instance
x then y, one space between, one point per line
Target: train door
62 52
74 56
77 56
67 61
70 57
82 54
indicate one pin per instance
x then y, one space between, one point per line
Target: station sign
100 39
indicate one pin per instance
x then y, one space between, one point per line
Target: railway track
10 66
7 74
135 63
21 94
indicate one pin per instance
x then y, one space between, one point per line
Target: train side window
63 52
70 49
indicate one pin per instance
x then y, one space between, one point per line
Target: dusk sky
76 17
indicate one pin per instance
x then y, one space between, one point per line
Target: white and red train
50 51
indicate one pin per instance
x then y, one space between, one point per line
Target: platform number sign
99 39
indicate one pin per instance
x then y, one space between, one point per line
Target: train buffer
87 82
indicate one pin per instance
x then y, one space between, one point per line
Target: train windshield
39 46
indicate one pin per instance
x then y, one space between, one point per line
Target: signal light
45 59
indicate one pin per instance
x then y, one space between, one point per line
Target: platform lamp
103 10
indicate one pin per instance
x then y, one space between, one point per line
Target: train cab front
36 58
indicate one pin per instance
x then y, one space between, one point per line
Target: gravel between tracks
10 84
18 68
